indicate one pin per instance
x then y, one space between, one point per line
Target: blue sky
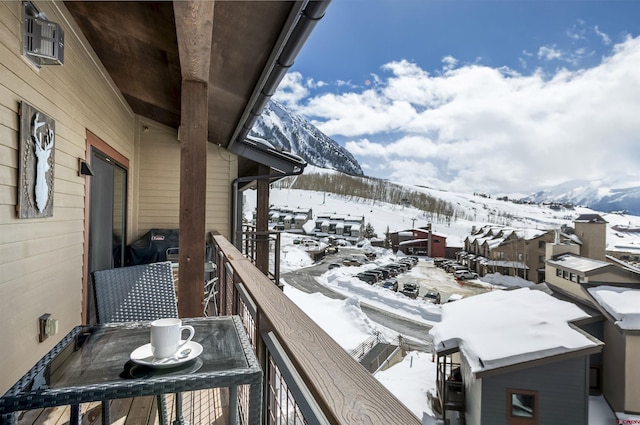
494 96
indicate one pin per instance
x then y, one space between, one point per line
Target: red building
419 241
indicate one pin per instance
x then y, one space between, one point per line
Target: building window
558 272
522 407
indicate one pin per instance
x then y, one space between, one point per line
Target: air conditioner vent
43 40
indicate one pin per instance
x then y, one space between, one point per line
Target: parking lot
432 278
424 274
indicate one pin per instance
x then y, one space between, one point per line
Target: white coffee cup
166 336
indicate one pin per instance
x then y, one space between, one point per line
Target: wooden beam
194 31
262 221
193 172
194 28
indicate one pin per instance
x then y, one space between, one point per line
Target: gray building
513 357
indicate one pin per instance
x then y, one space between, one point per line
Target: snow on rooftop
502 328
581 264
622 303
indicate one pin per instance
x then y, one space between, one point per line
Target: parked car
391 284
332 250
407 261
465 274
351 262
370 255
375 272
433 296
401 267
410 289
438 262
393 272
334 266
453 269
367 277
386 274
445 264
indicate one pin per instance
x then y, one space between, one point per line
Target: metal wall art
35 186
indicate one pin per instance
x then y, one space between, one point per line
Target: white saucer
142 355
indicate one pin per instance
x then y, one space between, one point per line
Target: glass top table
92 363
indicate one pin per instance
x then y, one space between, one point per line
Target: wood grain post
194 30
193 172
262 222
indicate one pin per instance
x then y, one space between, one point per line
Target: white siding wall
159 180
41 259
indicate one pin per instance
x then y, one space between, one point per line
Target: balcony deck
199 407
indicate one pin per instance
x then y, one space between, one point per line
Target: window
558 272
522 407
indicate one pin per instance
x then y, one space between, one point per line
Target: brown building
508 251
419 241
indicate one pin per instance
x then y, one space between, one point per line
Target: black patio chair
138 293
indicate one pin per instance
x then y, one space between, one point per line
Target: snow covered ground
344 320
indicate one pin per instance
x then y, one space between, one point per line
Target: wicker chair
136 293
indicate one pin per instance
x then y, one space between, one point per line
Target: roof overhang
253 45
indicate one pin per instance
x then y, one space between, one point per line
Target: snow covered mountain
283 128
600 195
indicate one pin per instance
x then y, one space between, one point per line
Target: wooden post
193 171
194 29
262 222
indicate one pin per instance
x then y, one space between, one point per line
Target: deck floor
198 408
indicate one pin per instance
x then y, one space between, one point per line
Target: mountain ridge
287 130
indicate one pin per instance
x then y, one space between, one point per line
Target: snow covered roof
413 242
405 233
504 328
621 303
577 263
506 263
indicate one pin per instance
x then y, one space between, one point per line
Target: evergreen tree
387 239
369 232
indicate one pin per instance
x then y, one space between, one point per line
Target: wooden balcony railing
309 378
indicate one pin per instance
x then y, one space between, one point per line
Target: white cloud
292 89
449 62
606 40
493 130
549 53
